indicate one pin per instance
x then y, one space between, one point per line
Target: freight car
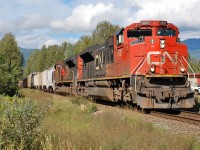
50 82
44 80
41 80
30 80
36 80
143 64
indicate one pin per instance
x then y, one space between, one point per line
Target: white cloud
82 18
59 41
51 42
35 40
190 34
31 41
4 26
33 21
39 22
180 12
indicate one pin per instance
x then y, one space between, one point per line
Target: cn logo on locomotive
163 57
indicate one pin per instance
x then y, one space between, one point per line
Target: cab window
138 33
120 37
166 32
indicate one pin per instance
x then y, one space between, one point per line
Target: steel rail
184 116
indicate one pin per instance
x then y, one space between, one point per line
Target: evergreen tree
103 31
11 61
68 49
83 43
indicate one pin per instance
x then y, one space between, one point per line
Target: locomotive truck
143 64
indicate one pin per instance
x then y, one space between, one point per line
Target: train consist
144 64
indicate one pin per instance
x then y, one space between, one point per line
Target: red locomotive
144 63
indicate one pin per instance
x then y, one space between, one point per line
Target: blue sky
39 22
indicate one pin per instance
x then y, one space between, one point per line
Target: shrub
19 122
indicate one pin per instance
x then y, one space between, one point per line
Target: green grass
72 128
69 123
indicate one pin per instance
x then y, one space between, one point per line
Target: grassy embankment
69 123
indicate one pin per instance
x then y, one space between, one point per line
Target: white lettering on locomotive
163 58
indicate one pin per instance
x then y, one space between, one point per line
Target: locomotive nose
163 57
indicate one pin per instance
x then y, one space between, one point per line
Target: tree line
46 57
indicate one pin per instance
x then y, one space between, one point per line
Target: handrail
140 64
76 77
136 67
190 68
139 69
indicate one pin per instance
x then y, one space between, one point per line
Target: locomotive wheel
122 104
142 110
146 111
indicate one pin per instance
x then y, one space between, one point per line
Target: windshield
164 32
138 33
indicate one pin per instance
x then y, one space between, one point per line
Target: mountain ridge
192 43
26 52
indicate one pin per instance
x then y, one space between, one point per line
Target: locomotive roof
151 23
119 31
87 54
90 49
71 61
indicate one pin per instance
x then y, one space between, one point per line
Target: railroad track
178 115
182 116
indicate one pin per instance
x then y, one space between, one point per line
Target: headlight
153 68
182 70
162 43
